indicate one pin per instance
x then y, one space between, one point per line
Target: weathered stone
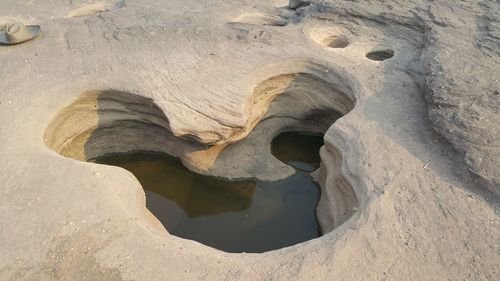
409 173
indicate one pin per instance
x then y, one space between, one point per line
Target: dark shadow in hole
297 4
298 149
126 123
380 55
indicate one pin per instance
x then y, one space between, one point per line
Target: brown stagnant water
234 216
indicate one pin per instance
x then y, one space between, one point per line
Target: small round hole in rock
380 55
336 41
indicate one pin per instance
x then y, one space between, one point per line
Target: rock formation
406 93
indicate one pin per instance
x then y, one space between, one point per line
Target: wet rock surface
409 174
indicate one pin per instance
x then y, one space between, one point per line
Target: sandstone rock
409 172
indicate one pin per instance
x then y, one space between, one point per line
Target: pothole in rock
329 38
297 4
233 216
131 131
380 55
336 42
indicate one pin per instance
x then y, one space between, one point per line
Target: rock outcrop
405 92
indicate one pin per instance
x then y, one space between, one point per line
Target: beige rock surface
409 174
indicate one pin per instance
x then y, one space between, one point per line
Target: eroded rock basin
276 209
233 216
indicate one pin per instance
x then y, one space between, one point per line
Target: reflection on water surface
239 216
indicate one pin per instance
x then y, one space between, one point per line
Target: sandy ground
410 173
